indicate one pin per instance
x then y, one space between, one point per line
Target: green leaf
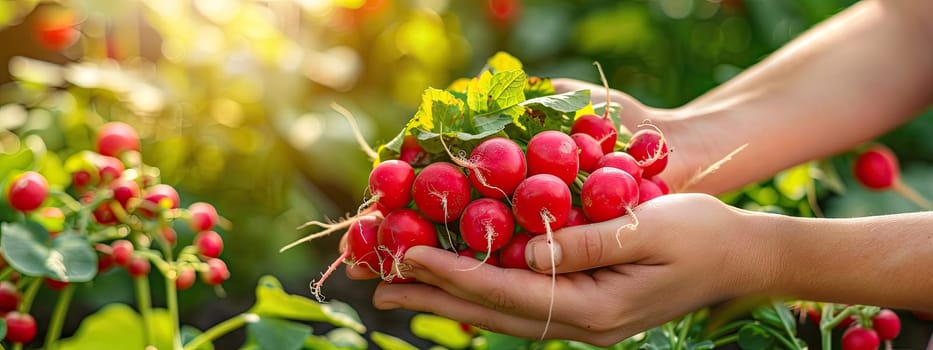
69 257
502 61
188 333
19 161
439 109
568 102
768 316
118 327
272 301
793 182
657 339
787 318
347 339
753 337
538 87
388 342
2 328
272 333
440 330
703 345
391 149
502 341
549 112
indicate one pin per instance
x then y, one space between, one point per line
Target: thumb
586 247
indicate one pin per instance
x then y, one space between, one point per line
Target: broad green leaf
272 333
502 61
316 342
568 102
787 318
502 341
657 339
538 87
391 149
347 339
68 257
19 161
273 301
793 182
440 330
188 333
768 316
388 342
439 109
753 337
118 327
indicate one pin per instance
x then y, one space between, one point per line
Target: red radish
665 189
555 153
412 152
124 190
600 128
27 191
814 314
20 327
540 202
608 193
185 278
648 190
122 251
390 183
512 255
138 267
590 151
114 138
877 169
215 273
441 191
9 296
203 216
622 161
486 225
858 338
496 167
362 240
209 243
650 150
400 230
576 217
886 324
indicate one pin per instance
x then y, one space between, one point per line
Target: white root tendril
490 235
328 229
632 225
443 200
370 152
547 219
701 174
462 160
658 153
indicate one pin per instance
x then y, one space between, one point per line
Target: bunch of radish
485 197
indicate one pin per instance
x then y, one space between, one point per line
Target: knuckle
592 248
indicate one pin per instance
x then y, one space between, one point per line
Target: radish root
316 285
462 160
370 152
632 225
547 219
700 175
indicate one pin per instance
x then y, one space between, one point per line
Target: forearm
848 80
881 260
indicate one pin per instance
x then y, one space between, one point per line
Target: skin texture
835 87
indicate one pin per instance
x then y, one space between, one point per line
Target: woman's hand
684 254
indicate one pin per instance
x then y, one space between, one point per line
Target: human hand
688 251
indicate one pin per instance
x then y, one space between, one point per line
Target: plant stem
826 333
726 340
58 317
5 274
30 295
221 329
144 303
685 327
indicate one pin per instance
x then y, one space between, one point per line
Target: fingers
427 298
522 292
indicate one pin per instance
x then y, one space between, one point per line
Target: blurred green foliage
232 98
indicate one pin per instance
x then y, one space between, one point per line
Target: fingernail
386 305
538 254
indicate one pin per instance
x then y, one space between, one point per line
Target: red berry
81 179
122 251
54 284
20 327
104 215
104 263
27 191
858 338
124 190
877 168
504 12
138 266
54 28
9 297
887 324
185 278
115 137
209 243
169 234
203 216
163 196
216 272
109 168
815 315
650 150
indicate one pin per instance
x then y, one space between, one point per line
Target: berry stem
171 301
73 205
144 303
726 340
6 272
912 195
221 329
30 295
58 317
685 327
